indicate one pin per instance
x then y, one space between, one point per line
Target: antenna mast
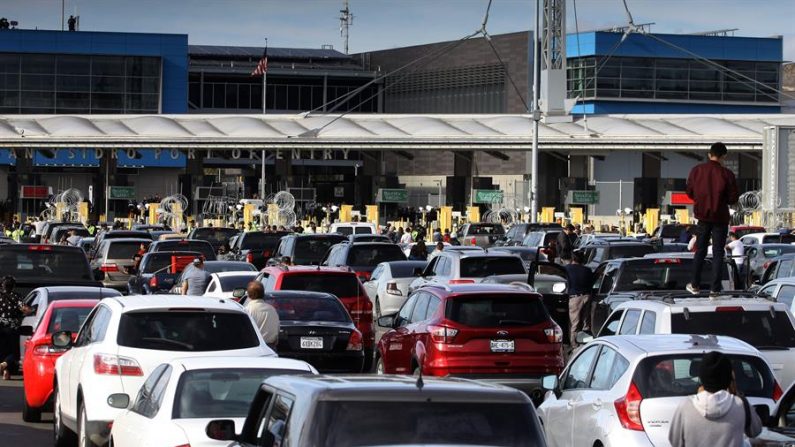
346 20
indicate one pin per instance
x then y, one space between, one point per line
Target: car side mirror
99 275
387 321
26 330
62 339
583 337
763 412
221 430
552 384
239 293
119 400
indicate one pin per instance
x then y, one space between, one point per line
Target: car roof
132 303
99 292
251 273
676 343
59 304
287 270
221 362
276 294
402 388
478 254
320 235
405 263
128 239
479 289
763 234
711 303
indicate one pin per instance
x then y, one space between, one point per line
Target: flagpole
265 83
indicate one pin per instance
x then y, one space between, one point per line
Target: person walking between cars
195 280
717 414
566 240
10 319
713 188
737 249
580 284
264 315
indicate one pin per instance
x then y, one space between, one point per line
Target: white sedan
224 284
180 397
388 286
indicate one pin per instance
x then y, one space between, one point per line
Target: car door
66 387
143 410
397 346
274 427
415 328
558 414
371 285
80 351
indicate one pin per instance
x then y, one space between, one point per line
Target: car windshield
485 229
496 310
372 255
220 393
260 241
310 250
187 331
214 235
68 319
371 423
125 250
186 245
309 309
662 274
483 266
230 283
677 375
779 239
630 251
157 262
760 329
44 262
772 252
406 269
228 266
338 285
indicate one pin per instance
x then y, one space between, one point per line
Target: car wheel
30 414
62 436
83 437
379 366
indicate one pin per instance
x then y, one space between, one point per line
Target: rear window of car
630 251
44 262
405 270
342 285
67 319
671 231
214 235
426 422
155 262
777 251
310 250
260 241
187 331
479 230
309 309
228 266
496 310
677 375
483 266
663 274
781 239
372 255
348 230
61 232
220 393
759 328
125 250
200 246
230 283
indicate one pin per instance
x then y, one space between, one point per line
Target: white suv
452 267
123 340
623 391
764 324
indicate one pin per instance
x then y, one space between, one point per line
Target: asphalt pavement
14 431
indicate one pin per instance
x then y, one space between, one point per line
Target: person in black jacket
10 319
566 239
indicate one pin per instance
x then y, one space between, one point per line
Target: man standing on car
566 240
580 284
264 315
713 188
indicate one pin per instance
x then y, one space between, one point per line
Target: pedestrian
713 188
446 237
10 319
264 315
580 284
717 414
454 239
737 249
406 238
72 22
418 252
287 261
551 250
437 235
439 248
195 280
566 240
224 253
39 225
74 238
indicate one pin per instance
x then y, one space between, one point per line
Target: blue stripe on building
151 158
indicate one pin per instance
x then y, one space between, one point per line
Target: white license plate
311 343
502 346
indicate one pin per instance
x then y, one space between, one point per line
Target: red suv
497 333
342 283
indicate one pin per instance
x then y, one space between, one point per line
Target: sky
383 24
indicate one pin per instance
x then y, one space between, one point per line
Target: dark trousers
9 347
718 233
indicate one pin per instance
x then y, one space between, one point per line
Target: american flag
262 66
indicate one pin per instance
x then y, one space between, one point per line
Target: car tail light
355 342
153 282
109 268
668 261
363 276
249 258
628 409
554 334
442 334
474 241
777 393
46 349
361 309
392 288
461 281
39 248
116 365
729 309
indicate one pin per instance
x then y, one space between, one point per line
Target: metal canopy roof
256 52
381 131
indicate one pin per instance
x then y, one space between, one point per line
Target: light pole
536 115
439 182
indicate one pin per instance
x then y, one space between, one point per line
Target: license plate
502 346
311 343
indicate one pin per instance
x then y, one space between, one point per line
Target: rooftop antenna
346 20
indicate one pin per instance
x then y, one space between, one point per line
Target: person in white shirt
264 315
738 250
439 248
406 238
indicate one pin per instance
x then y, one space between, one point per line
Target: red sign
35 192
681 198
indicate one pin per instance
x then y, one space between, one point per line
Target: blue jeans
718 233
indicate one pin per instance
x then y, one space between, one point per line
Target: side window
609 279
84 336
211 287
32 301
100 325
443 267
269 282
630 324
580 370
404 316
647 324
433 306
377 273
142 401
159 392
610 366
611 325
784 268
431 267
598 277
420 308
276 424
769 272
768 291
786 294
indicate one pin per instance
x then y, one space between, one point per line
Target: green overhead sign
488 196
583 197
122 193
392 196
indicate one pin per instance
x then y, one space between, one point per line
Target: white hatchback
124 339
224 284
180 397
624 390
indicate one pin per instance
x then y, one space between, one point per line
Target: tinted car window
782 239
309 309
372 255
214 235
629 251
483 266
337 285
68 319
124 250
759 329
202 247
260 241
157 262
44 262
310 250
187 331
648 322
229 283
577 376
772 252
496 310
405 270
485 229
662 274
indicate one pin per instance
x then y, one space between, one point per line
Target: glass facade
672 79
79 84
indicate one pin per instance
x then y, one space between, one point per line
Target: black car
368 238
214 267
41 265
362 257
307 249
117 234
158 271
202 247
598 252
528 254
256 247
316 328
215 236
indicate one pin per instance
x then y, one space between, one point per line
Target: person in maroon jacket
713 188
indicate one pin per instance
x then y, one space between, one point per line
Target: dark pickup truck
158 271
41 265
256 247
